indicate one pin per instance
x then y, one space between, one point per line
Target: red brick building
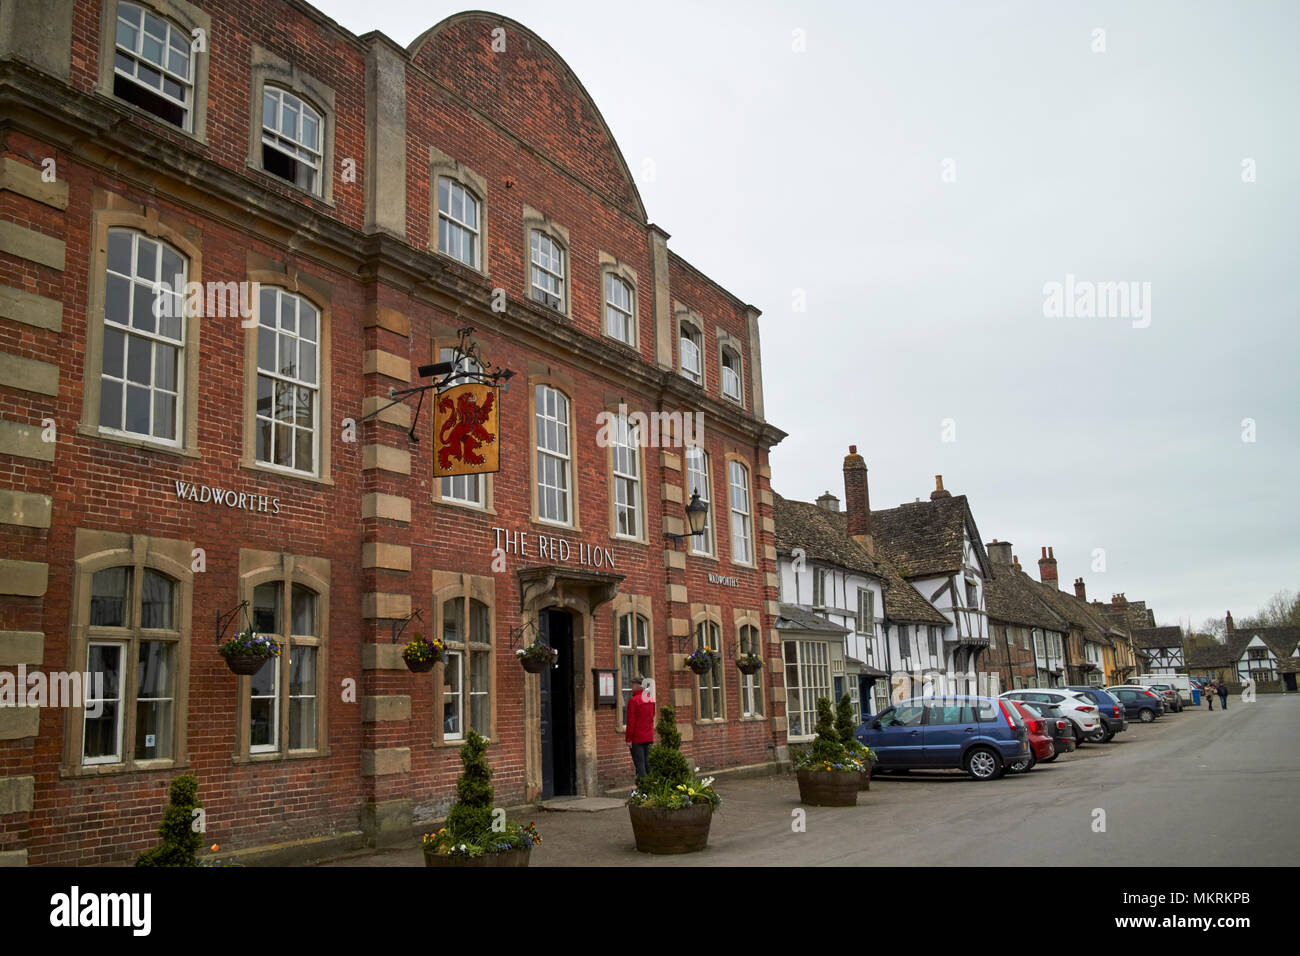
159 467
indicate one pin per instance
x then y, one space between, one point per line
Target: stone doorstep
582 804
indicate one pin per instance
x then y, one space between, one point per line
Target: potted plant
536 657
702 659
749 663
846 727
247 651
671 810
422 654
473 835
829 776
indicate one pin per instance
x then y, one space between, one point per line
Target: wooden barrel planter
245 665
829 788
671 831
516 857
865 782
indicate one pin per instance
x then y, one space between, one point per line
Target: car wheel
1147 715
984 764
1098 736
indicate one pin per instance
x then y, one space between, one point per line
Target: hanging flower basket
537 657
247 651
749 663
422 655
702 660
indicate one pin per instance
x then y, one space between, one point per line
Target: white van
1181 682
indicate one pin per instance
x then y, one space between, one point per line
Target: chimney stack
857 501
938 489
1000 552
1079 591
1231 628
1047 568
1015 561
828 502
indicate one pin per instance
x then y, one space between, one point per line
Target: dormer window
291 139
730 375
547 271
691 353
152 65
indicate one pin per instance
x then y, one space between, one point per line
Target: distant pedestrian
1223 695
1209 694
641 726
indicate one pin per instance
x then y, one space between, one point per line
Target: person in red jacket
641 725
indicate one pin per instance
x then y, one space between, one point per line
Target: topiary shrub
180 841
666 765
844 723
470 818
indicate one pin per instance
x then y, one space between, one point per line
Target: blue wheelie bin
1196 697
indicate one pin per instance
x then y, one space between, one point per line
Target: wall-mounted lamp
697 514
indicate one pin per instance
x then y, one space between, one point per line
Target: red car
1040 742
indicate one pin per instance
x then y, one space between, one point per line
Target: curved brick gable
529 90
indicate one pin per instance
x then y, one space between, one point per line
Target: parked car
1112 715
1040 741
1181 683
1168 696
1081 711
980 735
1059 727
1138 702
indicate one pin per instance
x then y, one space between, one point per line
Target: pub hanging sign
466 423
466 412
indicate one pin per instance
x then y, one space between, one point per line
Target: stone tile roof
1010 598
1280 640
924 538
1169 636
1073 610
792 617
823 535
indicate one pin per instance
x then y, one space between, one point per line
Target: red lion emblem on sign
466 428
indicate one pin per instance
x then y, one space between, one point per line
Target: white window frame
625 459
544 453
173 309
450 226
708 632
137 58
295 147
700 479
742 531
274 697
751 685
811 661
633 643
544 261
275 326
123 647
616 313
866 623
731 374
693 337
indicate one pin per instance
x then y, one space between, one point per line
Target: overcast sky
921 171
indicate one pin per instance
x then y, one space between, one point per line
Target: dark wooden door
558 728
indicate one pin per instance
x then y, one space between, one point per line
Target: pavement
1196 789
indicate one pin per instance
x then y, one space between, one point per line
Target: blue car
980 735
